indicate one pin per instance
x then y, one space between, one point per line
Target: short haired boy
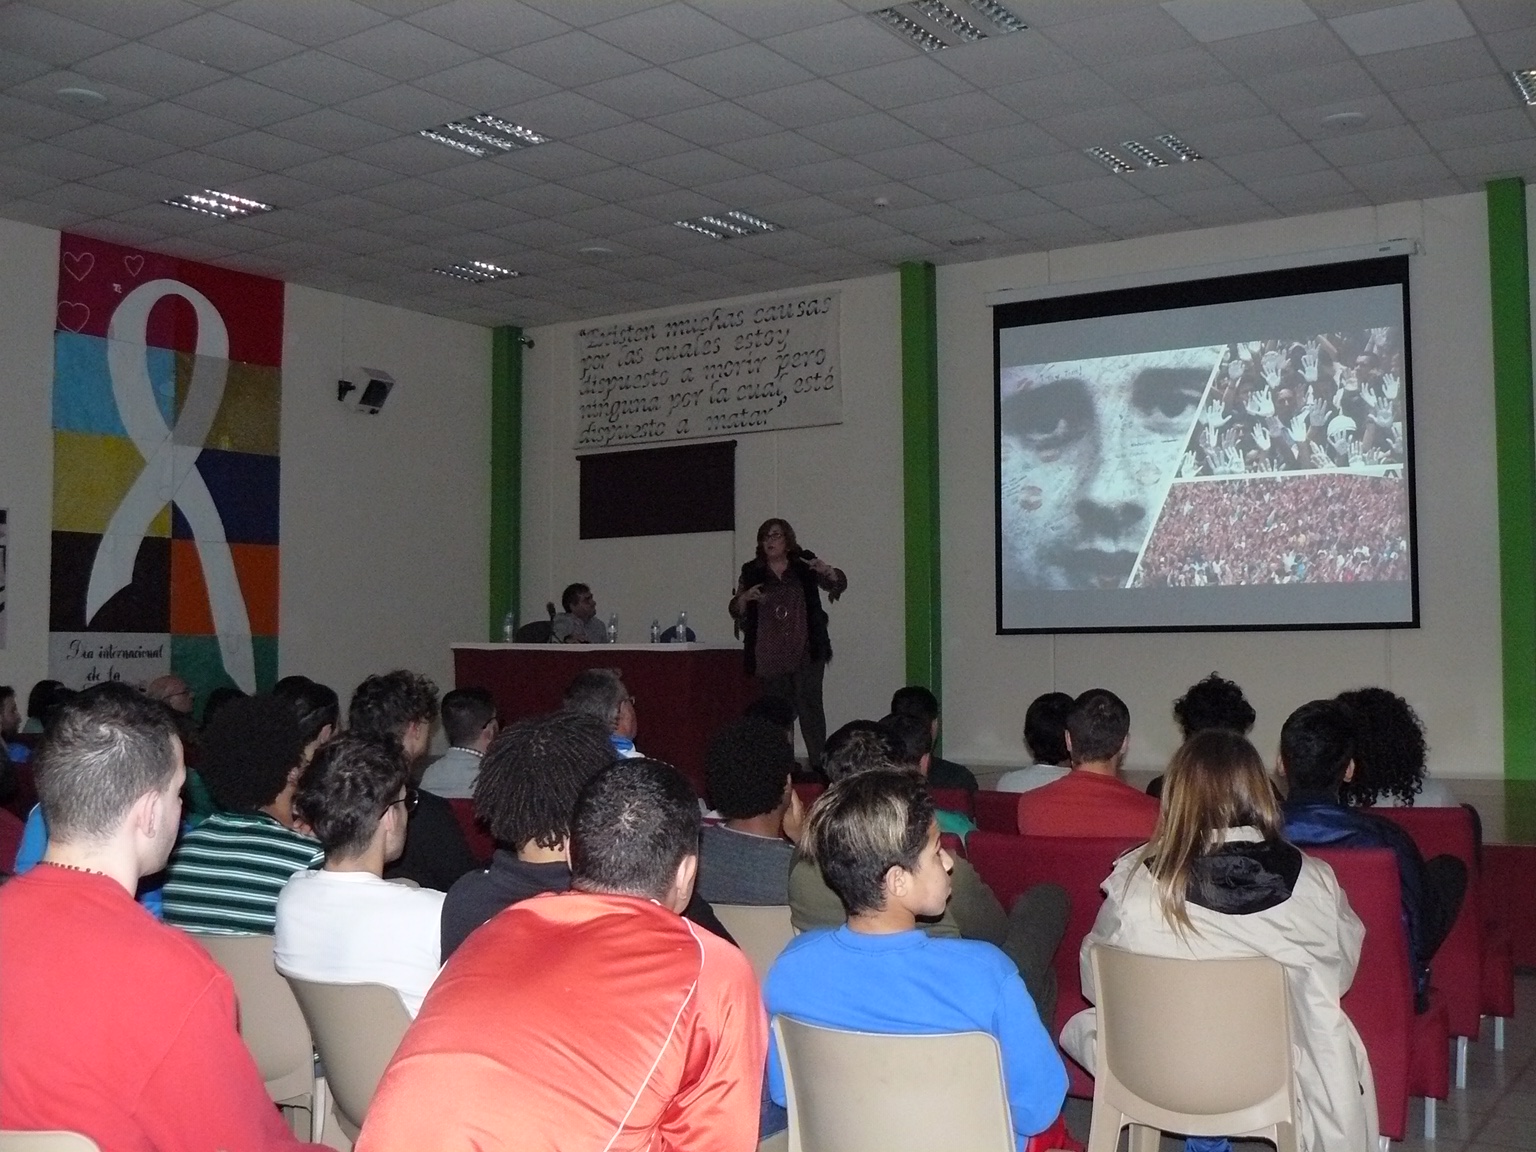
344 923
469 722
876 841
746 859
916 700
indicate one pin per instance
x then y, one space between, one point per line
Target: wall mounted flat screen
1223 454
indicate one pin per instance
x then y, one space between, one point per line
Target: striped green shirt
226 874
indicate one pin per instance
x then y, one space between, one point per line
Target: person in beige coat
1218 880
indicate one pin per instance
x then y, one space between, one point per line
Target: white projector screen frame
1227 454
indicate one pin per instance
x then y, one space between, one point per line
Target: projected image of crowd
1320 529
1332 401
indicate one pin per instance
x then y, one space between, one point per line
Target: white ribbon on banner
170 468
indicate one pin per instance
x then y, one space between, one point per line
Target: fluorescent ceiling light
1525 83
1148 158
484 135
224 205
728 225
934 25
476 271
1180 149
1107 158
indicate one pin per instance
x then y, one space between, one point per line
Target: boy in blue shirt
876 841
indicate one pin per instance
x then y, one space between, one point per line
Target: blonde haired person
1218 880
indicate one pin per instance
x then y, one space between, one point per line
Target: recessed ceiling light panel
1107 158
484 135
1148 158
224 205
1182 151
934 25
476 271
1525 83
728 225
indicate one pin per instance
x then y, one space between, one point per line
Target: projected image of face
1089 448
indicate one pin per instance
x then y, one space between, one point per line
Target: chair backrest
270 1021
1195 1046
476 835
1010 864
760 930
808 790
533 632
25 794
864 1092
357 1028
954 800
1380 1001
997 811
11 828
47 1142
670 636
1456 971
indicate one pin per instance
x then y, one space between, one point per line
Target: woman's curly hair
1390 749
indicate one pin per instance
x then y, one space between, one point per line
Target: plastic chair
760 930
357 1028
271 1024
1201 1047
47 1142
864 1092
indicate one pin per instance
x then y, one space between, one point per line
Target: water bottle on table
613 628
680 636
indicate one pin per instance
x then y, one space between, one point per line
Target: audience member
172 691
1217 880
600 693
1211 703
404 705
913 748
578 623
317 707
469 722
10 715
746 859
1045 736
915 700
115 1026
529 781
217 698
1390 754
1317 757
595 1018
1029 934
1091 800
874 838
226 873
45 696
346 924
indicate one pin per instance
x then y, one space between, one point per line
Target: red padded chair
11 828
1011 863
476 835
1409 1054
809 792
25 796
954 800
997 811
1459 967
952 844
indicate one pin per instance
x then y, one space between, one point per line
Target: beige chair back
47 1142
270 1021
357 1028
865 1092
1201 1047
761 931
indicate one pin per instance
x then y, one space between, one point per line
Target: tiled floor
1495 1113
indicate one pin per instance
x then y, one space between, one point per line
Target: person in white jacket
1218 880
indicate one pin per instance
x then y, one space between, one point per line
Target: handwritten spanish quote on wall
753 367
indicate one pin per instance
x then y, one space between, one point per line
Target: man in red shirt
114 1025
595 1018
1091 800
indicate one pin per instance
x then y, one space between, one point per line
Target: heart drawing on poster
73 316
79 264
134 264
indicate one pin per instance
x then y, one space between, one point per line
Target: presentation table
684 693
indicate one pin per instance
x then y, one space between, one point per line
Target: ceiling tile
263 150
1254 168
1105 189
489 26
830 49
555 161
26 118
1492 161
666 33
748 192
17 183
400 51
1435 64
851 230
332 131
914 160
635 143
476 214
1005 205
801 105
1212 207
573 59
485 85
320 77
44 89
1103 126
149 70
1210 20
1464 97
1482 128
404 108
1000 60
619 185
350 209
1197 107
933 221
777 151
958 115
1077 91
610 219
314 22
962 183
1310 123
131 21
742 69
693 167
1516 49
653 92
1187 177
216 40
718 124
246 102
194 169
92 202
175 124
54 39
275 188
904 81
113 144
341 173
873 130
1403 26
1145 77
1302 46
1368 147
1050 168
882 196
1309 87
543 200
1303 187
1138 218
564 114
679 204
1492 16
483 179
411 155
1239 136
1103 39
1403 179
1058 230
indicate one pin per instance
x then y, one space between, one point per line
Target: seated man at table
469 722
115 1026
876 842
578 623
600 694
745 859
594 1018
1091 800
915 700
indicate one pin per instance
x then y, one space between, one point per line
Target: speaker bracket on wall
366 390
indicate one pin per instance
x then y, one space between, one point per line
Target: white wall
840 486
384 518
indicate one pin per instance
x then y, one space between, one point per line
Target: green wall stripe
920 471
506 475
1510 295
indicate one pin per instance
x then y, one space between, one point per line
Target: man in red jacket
594 1018
114 1025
